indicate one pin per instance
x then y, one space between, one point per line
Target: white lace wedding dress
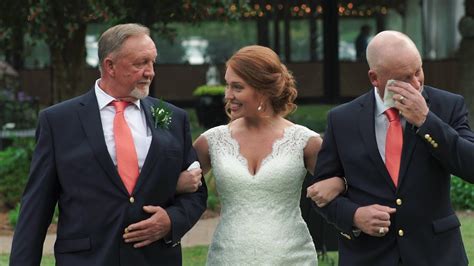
261 221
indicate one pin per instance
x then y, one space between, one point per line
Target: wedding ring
381 231
401 98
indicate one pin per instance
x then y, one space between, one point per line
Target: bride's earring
260 107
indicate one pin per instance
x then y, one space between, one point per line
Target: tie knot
119 105
392 114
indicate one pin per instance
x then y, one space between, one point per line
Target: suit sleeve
38 200
340 211
452 142
188 207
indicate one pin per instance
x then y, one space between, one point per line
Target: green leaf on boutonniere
161 115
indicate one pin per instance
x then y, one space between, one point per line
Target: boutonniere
161 115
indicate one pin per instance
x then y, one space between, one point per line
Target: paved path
200 234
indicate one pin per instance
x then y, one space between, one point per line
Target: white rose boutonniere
161 115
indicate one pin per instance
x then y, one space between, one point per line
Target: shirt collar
104 99
380 108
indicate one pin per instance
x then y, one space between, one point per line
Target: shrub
17 110
311 116
14 167
462 194
13 215
209 90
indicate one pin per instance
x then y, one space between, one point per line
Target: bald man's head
386 47
392 55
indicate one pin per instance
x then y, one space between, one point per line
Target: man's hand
189 181
374 219
324 191
409 102
148 231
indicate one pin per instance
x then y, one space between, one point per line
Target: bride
259 161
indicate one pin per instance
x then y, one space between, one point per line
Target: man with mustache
112 169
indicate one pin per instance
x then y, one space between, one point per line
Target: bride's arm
326 190
311 153
190 180
202 149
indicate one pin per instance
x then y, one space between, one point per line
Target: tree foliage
63 24
12 30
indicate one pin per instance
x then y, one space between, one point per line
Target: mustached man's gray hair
112 39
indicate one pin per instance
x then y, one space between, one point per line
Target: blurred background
48 53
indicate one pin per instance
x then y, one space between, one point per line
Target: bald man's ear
373 78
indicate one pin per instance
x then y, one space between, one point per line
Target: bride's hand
189 181
325 191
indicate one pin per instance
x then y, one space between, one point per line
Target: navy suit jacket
425 229
72 167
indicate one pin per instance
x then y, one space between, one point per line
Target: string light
349 8
319 9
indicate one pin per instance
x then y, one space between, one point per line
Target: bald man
397 210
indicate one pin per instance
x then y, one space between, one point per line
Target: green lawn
197 255
467 230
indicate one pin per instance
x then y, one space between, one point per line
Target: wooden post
466 57
331 51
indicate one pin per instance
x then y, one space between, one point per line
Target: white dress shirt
382 123
136 121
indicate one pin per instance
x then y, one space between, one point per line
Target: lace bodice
261 220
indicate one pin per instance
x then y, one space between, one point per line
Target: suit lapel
367 131
409 144
90 118
156 146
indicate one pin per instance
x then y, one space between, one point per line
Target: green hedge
14 167
13 215
311 116
462 194
209 90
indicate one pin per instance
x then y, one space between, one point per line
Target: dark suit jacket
425 228
72 167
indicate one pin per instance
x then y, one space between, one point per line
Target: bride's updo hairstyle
262 69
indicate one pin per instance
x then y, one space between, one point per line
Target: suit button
427 137
400 232
132 199
399 202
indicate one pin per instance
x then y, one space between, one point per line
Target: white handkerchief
388 95
194 165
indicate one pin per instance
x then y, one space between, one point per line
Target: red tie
393 144
127 162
